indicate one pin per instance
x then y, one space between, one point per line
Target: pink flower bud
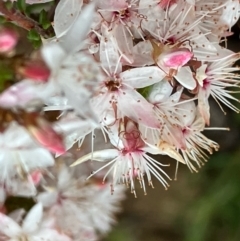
36 71
166 3
46 135
36 177
8 40
175 58
3 209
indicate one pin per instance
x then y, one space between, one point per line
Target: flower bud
45 134
36 71
175 58
35 177
8 40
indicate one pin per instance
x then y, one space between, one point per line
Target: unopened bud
45 134
36 177
36 71
175 58
8 40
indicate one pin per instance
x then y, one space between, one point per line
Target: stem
21 20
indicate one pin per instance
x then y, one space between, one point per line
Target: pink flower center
206 84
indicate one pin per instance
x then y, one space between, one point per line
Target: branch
21 20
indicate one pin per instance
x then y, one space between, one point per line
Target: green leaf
2 19
6 74
145 91
43 19
21 5
33 35
37 44
34 38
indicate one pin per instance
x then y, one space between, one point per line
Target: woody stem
21 20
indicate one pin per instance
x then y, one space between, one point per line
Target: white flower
74 129
33 227
217 77
130 160
117 91
196 142
20 155
220 17
79 205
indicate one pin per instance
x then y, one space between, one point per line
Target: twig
21 20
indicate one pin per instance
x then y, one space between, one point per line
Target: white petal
185 78
33 219
103 155
142 54
8 226
49 234
109 55
66 13
142 77
167 149
47 199
73 40
64 177
53 55
124 42
134 106
160 92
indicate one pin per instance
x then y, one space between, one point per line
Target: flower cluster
142 72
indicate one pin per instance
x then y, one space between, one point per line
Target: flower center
112 85
122 14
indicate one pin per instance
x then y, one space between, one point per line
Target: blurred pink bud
8 40
3 209
166 3
47 136
175 58
36 177
35 71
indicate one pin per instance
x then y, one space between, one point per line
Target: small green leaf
6 74
34 38
2 19
33 35
43 19
37 44
145 91
21 5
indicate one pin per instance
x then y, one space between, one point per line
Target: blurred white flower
33 227
80 207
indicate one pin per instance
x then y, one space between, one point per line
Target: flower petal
185 78
142 77
134 106
72 41
33 219
97 156
66 14
8 226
